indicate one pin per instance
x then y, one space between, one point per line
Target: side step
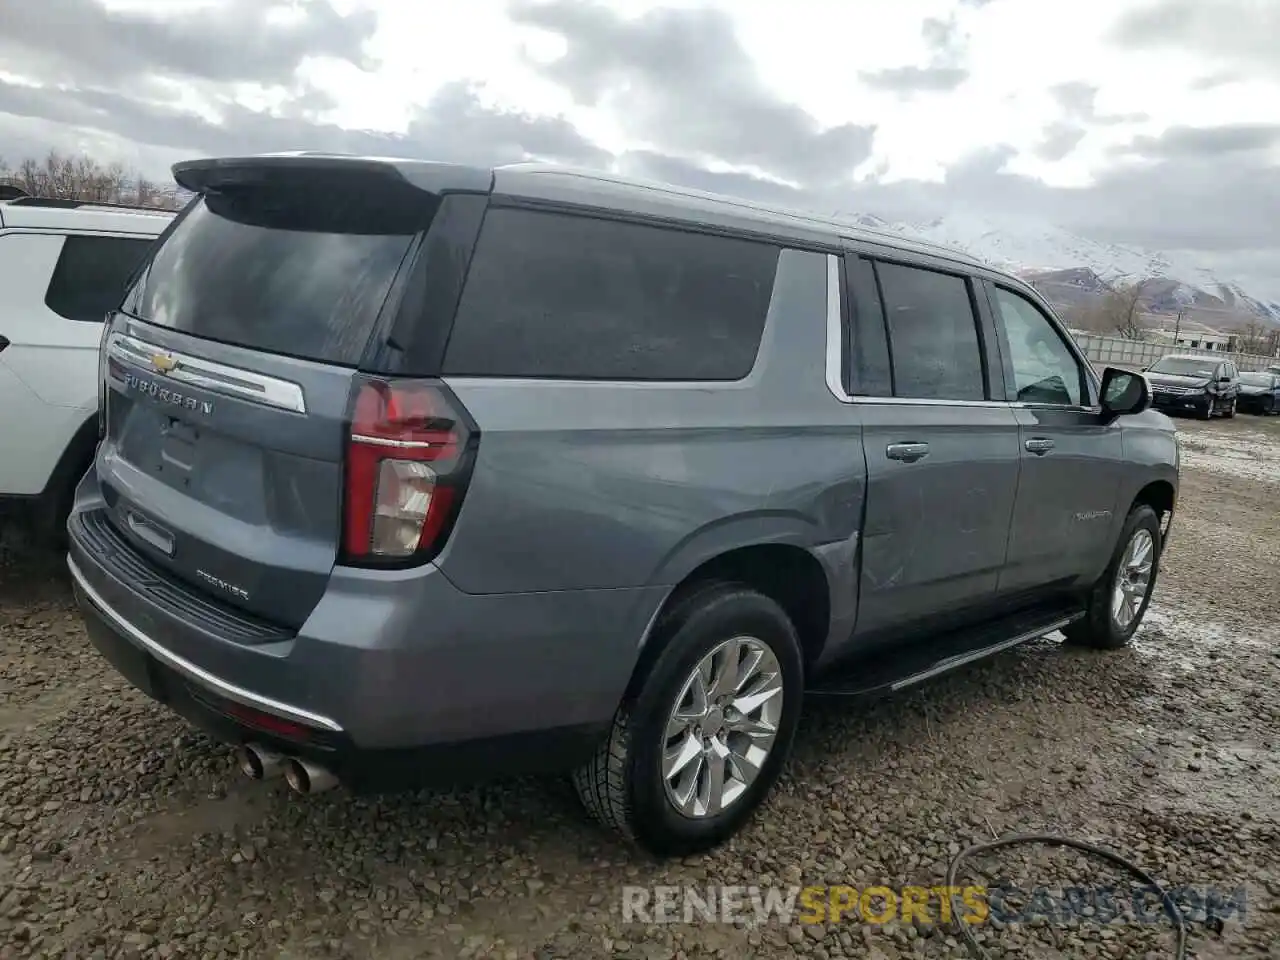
888 670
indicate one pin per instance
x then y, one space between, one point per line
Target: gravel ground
125 834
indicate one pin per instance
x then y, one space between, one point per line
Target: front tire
704 732
1231 410
1119 600
1208 410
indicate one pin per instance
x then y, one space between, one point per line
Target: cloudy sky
1148 122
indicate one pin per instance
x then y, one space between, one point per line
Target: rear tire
50 527
1105 626
626 785
1231 410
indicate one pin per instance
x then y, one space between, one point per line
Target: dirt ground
125 834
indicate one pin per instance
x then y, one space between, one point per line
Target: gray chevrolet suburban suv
414 472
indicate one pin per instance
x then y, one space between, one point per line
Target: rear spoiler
213 174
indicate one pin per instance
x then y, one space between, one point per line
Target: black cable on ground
1170 907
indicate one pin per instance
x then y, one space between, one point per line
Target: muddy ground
125 834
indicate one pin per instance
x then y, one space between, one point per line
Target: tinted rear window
299 273
90 276
559 296
933 334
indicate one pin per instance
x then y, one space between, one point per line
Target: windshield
1257 379
1184 367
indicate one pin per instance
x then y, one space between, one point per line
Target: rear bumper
202 700
394 672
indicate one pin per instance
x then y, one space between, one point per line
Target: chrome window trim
835 360
211 375
835 365
191 671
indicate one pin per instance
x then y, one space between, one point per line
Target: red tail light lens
408 461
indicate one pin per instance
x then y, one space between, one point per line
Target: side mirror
1123 392
1224 379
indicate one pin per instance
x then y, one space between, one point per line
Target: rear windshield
288 272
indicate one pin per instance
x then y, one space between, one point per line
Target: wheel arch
59 490
786 572
1161 496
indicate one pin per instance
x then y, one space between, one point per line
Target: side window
1044 368
933 334
89 278
868 353
573 297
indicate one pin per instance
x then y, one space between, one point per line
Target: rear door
1066 514
941 451
229 374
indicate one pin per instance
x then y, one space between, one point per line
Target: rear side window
933 334
572 297
281 270
869 369
90 276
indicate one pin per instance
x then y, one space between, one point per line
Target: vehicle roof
1192 356
84 218
570 184
566 184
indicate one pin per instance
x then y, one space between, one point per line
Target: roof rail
66 203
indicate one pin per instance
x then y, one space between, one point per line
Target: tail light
409 458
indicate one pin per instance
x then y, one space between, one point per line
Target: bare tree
1253 337
1088 317
83 178
1121 310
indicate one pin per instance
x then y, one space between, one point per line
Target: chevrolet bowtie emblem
163 362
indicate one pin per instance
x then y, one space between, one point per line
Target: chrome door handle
907 452
1039 445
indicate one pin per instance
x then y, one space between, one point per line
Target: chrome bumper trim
194 673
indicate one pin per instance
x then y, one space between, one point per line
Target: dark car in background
1188 384
1260 392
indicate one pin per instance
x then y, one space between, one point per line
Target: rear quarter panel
582 485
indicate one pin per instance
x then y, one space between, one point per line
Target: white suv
63 265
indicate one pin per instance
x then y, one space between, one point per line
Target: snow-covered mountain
1032 248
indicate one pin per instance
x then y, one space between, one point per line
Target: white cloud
1061 108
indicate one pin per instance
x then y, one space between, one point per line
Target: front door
1066 511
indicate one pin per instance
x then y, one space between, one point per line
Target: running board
889 670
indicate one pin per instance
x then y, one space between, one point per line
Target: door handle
1039 445
907 452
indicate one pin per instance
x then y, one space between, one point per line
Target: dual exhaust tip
303 777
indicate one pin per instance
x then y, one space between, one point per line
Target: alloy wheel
1133 579
722 727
